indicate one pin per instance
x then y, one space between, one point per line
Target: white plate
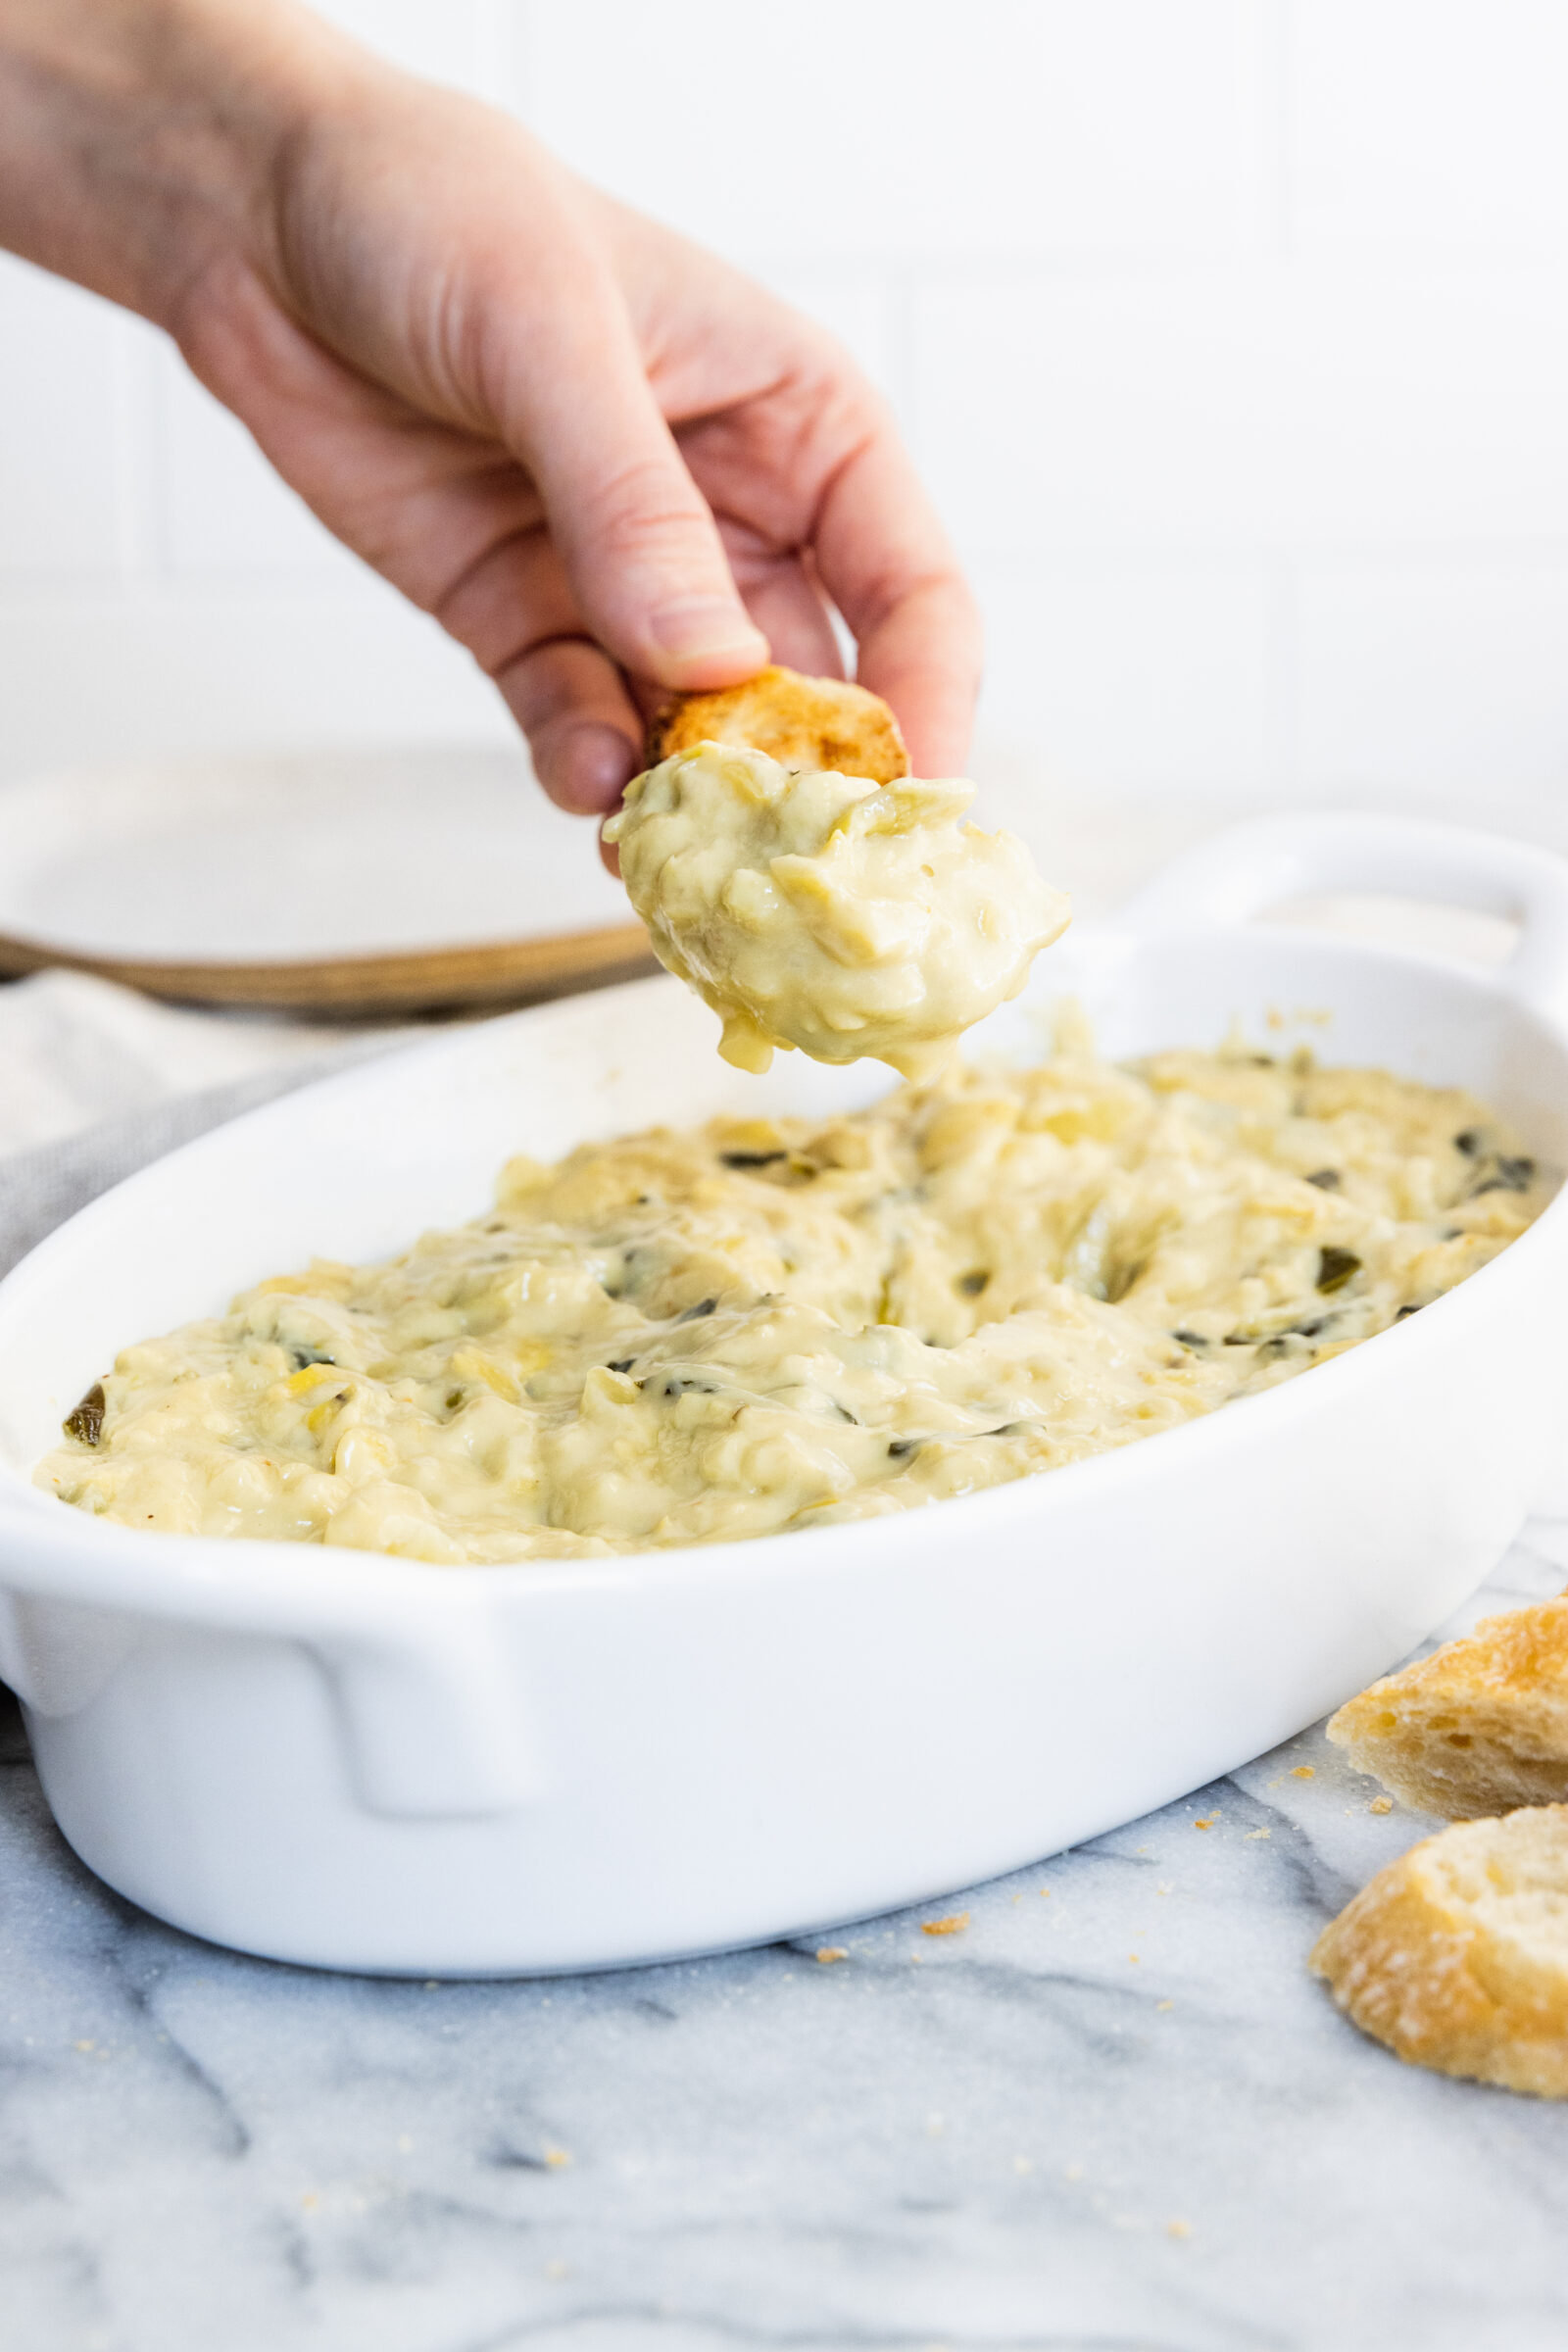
285 858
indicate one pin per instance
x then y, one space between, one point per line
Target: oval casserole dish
366 1763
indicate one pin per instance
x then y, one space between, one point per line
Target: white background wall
1231 335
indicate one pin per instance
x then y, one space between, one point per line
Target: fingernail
710 630
590 766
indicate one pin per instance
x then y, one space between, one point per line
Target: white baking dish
373 1764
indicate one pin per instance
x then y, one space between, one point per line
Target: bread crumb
1381 1804
557 2270
1206 1820
1073 2171
952 1924
828 1952
1023 2164
557 2159
1161 2005
1044 1891
1163 1889
1178 2229
1303 1772
1131 1959
1259 1833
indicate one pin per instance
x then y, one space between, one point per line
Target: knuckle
648 511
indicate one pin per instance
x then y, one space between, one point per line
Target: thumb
640 548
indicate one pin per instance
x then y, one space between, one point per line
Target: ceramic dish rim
179 1567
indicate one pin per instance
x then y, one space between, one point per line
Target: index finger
891 569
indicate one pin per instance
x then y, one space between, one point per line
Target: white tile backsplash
1231 335
59 478
921 130
1132 676
1282 406
1434 674
1429 124
131 675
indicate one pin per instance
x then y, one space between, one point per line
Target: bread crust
799 722
1478 1729
1455 1957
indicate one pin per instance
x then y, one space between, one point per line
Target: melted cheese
823 912
762 1325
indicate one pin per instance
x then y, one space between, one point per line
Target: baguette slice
801 723
1456 1956
1477 1727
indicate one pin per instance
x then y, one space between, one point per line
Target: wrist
143 138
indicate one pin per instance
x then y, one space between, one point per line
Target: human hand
607 462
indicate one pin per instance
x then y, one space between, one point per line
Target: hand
609 463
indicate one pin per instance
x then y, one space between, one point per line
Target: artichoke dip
827 911
769 1324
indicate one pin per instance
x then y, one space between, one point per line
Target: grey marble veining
1115 2115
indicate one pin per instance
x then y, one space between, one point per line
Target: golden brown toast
799 722
1457 1956
1476 1728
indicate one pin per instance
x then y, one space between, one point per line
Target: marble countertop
1112 2114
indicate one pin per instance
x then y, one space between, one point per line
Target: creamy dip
809 908
767 1324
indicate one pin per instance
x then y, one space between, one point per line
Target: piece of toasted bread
1457 1956
1479 1728
801 723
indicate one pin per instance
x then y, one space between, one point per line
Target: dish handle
424 1683
1227 883
431 1720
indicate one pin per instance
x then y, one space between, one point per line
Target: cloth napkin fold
74 1049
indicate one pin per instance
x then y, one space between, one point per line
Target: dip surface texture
824 911
760 1325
